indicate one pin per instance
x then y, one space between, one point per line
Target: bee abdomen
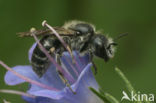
39 62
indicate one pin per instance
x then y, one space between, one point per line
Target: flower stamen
17 93
27 79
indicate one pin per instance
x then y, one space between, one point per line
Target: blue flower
80 78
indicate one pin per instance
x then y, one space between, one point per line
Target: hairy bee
80 36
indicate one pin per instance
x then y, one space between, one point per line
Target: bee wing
61 31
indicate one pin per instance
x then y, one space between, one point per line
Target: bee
80 36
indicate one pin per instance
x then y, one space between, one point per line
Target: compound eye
83 29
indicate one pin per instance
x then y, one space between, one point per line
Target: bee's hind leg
65 81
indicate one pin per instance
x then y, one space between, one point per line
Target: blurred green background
136 53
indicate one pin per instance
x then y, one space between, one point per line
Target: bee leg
91 60
71 54
52 50
58 59
95 68
65 81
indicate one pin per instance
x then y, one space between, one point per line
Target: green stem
110 97
102 97
127 82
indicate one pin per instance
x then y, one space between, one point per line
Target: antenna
115 39
120 36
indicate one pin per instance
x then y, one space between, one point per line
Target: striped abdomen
39 60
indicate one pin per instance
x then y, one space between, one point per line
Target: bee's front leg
91 60
65 81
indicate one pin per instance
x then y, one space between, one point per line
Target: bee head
80 27
102 47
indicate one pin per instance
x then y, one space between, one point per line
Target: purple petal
81 62
50 78
48 100
47 93
29 100
83 94
12 79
